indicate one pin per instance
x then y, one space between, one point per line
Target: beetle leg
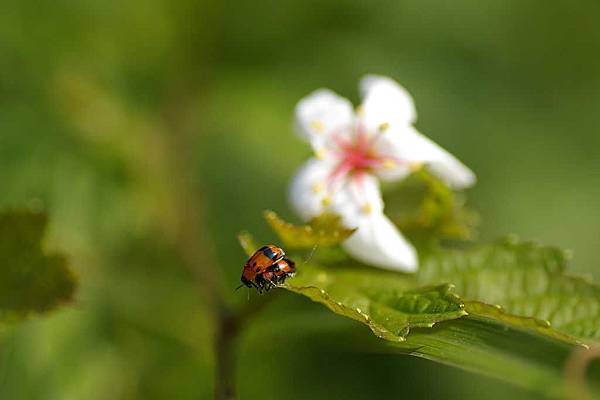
255 285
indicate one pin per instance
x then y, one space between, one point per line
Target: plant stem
198 253
230 327
225 359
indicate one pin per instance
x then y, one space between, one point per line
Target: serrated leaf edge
323 297
541 326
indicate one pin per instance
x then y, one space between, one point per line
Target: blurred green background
153 131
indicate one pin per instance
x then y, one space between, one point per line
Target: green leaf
524 279
432 322
504 280
507 309
508 352
324 230
385 301
514 314
31 280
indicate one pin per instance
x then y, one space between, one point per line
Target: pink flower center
357 155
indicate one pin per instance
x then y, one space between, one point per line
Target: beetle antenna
242 285
310 255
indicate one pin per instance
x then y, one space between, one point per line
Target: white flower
353 150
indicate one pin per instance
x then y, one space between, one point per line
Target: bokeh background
153 131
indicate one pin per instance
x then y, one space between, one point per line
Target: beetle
267 268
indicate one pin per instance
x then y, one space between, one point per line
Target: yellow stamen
326 201
415 166
384 127
367 208
317 126
317 188
388 164
360 111
320 154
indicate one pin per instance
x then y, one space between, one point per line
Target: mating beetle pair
267 268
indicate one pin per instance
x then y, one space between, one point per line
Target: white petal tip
406 262
369 80
454 173
378 242
320 113
463 182
386 101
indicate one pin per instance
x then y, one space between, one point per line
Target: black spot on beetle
269 253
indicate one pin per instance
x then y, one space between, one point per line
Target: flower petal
411 146
321 114
385 102
393 170
308 191
357 197
378 242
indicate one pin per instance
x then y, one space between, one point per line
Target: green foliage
506 309
82 127
382 300
324 230
501 350
423 204
31 279
525 279
370 295
522 284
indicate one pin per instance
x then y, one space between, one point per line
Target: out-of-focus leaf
31 279
425 204
324 230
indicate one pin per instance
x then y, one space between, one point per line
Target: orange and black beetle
267 267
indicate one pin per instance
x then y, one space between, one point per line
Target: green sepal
325 230
423 205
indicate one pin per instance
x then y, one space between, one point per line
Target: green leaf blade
515 314
525 279
432 322
384 301
489 347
